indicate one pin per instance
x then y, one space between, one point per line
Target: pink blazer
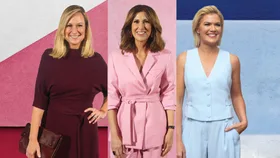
141 98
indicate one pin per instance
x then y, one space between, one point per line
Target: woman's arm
36 118
167 96
180 91
40 103
113 95
236 96
97 114
104 106
112 120
33 144
113 105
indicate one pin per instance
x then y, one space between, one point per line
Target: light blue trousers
207 139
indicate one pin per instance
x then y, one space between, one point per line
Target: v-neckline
131 64
212 69
144 63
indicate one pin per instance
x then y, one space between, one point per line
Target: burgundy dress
64 89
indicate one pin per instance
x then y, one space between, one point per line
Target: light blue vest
208 99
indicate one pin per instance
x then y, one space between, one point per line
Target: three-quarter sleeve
167 86
113 91
41 96
103 76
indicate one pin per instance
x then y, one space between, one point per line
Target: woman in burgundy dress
69 77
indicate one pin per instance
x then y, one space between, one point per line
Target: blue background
232 9
252 32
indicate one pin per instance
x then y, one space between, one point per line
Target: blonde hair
61 46
197 18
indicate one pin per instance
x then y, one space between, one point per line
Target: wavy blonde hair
155 42
197 18
61 46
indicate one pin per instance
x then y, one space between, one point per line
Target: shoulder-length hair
197 18
154 43
61 46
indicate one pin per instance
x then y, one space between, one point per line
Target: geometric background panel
24 22
18 72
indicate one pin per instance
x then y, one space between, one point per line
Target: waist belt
129 136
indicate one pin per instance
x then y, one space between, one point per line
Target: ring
114 153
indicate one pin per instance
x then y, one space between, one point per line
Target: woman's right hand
181 150
32 149
117 147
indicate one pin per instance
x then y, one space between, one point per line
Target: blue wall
232 9
257 44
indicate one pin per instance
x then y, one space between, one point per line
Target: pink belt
129 136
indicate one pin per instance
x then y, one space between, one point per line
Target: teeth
212 35
140 32
74 36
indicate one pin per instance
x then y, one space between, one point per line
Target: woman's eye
146 21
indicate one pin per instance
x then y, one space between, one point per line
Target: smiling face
141 28
210 29
75 31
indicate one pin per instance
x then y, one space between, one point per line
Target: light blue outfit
208 109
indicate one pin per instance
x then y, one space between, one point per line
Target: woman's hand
168 140
95 115
181 150
117 147
32 149
239 127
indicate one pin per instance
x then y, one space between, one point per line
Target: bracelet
170 127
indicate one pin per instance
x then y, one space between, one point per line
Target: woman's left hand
239 127
168 140
95 115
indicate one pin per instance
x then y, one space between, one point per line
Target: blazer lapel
131 65
149 63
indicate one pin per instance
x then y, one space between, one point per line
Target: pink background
166 11
18 72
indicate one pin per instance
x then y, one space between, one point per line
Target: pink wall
18 72
166 11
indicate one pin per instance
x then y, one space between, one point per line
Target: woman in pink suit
141 92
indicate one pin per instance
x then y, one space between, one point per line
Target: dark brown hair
155 42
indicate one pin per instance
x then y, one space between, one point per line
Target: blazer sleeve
41 96
113 91
167 86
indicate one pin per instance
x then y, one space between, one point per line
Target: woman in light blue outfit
210 78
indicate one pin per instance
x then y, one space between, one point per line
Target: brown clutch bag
49 141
